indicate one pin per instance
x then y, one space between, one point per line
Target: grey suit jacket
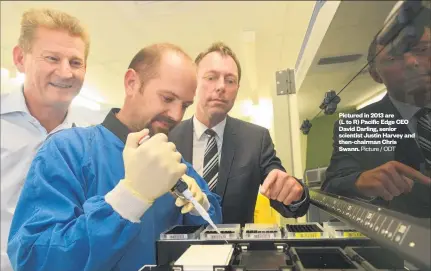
247 157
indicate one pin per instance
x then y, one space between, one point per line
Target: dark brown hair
224 50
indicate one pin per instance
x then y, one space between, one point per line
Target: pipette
181 188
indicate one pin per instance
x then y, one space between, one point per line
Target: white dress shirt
21 137
200 140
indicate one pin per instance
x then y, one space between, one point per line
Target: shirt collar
68 119
200 128
113 124
407 111
14 101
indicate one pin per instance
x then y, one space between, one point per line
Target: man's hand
153 168
197 194
279 186
389 180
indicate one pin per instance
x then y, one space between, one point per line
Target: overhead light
4 73
90 94
88 98
9 83
247 107
263 114
260 114
372 100
20 77
84 102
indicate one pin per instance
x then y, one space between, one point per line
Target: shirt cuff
126 204
295 205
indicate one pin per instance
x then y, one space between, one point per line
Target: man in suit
235 157
398 178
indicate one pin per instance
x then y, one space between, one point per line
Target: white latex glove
151 170
197 194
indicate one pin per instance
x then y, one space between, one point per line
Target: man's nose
64 70
176 113
411 60
220 86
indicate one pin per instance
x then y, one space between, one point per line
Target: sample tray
321 258
228 232
304 231
264 260
375 258
339 230
182 232
204 257
261 231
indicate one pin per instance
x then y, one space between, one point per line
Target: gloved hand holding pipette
197 194
162 163
161 167
193 195
195 202
189 195
194 189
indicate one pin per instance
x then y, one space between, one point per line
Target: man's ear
375 75
18 58
131 82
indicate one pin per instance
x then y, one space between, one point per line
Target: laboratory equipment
304 230
341 230
227 232
327 252
261 231
318 258
204 257
182 232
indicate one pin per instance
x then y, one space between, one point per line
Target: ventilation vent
339 59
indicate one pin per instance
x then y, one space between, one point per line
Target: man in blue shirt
96 199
